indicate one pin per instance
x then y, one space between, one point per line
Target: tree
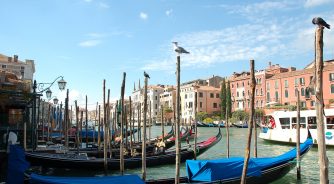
223 99
201 115
228 100
240 115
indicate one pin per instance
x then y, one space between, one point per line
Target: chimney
10 59
269 64
16 57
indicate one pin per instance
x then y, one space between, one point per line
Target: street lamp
48 92
55 100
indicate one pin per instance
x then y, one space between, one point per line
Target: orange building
277 85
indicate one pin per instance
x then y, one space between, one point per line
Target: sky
87 41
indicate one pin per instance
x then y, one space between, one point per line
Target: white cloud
143 15
313 3
104 5
227 45
89 43
169 12
259 11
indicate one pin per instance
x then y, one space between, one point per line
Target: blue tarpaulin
38 179
17 165
212 170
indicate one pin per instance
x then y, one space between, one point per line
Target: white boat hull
289 135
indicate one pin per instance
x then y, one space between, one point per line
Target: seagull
179 50
320 22
146 75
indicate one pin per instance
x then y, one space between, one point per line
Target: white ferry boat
282 126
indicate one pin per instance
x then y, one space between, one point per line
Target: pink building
277 85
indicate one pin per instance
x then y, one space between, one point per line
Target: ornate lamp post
37 94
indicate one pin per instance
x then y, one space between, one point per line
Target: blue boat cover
17 165
38 179
227 168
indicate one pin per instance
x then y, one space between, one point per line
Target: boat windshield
330 122
285 123
312 122
302 122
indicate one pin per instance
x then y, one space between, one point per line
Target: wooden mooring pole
122 125
298 135
177 125
250 123
144 132
319 106
105 159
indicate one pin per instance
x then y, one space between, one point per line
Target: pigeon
146 75
179 50
320 22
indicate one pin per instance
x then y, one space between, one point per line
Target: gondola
82 161
242 125
200 124
17 173
228 170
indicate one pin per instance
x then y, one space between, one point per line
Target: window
261 93
237 85
285 123
185 96
243 84
302 81
312 103
200 94
302 92
276 96
232 85
303 104
286 83
243 93
200 104
268 97
190 104
237 93
286 93
268 85
156 97
296 92
211 95
217 95
4 66
296 81
276 84
331 77
156 106
332 88
256 92
214 105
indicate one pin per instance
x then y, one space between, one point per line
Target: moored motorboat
281 126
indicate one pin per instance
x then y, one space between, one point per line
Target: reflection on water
309 165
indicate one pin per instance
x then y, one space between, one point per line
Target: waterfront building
23 70
168 100
153 101
208 100
278 85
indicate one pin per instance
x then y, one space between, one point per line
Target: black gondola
84 162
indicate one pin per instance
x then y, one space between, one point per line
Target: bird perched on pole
320 22
146 75
179 50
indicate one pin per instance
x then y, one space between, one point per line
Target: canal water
238 136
